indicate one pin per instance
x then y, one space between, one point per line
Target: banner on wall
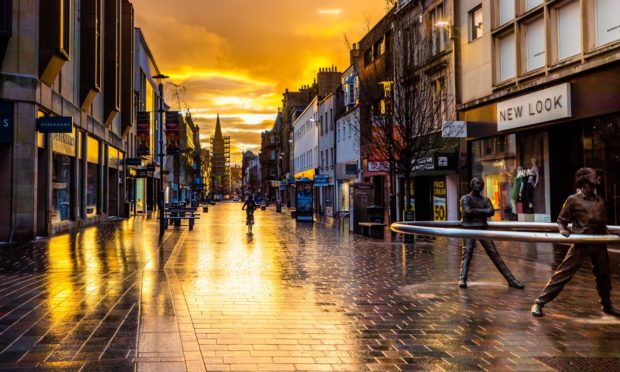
143 129
440 200
172 133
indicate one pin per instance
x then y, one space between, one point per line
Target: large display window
514 168
61 187
92 176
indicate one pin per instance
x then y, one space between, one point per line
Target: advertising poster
143 140
172 133
440 204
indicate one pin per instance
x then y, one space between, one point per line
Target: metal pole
161 158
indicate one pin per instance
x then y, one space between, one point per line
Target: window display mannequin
517 189
527 195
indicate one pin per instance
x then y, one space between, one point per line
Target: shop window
514 169
607 21
62 168
92 176
569 30
506 11
507 57
475 23
535 41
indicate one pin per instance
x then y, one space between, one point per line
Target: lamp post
160 132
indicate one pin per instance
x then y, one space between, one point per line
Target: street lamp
160 130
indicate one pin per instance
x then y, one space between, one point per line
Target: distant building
220 161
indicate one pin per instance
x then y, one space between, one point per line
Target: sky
236 57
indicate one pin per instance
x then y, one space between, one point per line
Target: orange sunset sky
236 57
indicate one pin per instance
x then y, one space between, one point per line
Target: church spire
218 128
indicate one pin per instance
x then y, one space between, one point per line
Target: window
531 4
506 11
607 22
535 36
438 34
507 57
368 57
65 19
61 187
475 23
378 48
569 30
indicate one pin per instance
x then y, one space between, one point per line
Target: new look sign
538 107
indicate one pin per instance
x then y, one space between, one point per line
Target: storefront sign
454 129
538 107
378 166
143 138
423 164
321 180
6 122
64 143
55 124
172 133
113 157
440 205
435 162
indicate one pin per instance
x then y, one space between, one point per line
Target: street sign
133 161
321 180
6 122
55 124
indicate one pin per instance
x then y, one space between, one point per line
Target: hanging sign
55 124
172 133
143 129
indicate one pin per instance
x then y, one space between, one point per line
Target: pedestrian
476 209
586 211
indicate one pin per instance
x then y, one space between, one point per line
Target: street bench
372 229
175 216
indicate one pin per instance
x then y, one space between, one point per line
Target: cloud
237 57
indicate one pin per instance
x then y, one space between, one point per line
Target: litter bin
278 207
374 213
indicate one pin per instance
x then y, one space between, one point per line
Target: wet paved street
293 297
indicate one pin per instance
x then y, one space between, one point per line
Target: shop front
113 181
346 173
542 138
63 178
93 176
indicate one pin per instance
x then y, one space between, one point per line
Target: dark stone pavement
292 297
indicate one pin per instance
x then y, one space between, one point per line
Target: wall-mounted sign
6 122
143 129
534 108
55 124
454 129
64 143
435 162
321 180
173 145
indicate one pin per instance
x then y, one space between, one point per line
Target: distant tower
220 161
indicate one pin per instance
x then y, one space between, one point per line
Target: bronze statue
586 211
475 209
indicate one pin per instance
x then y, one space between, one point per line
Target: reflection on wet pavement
291 297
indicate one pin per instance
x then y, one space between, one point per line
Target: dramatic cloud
237 57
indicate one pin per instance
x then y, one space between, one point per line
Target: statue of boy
476 209
586 211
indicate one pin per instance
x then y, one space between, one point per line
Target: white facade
327 110
306 140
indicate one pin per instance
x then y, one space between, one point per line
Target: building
143 139
542 79
220 161
348 162
424 67
328 108
269 155
68 69
251 173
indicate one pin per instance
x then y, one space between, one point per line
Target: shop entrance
422 187
565 158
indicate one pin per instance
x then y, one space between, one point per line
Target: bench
176 215
372 229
